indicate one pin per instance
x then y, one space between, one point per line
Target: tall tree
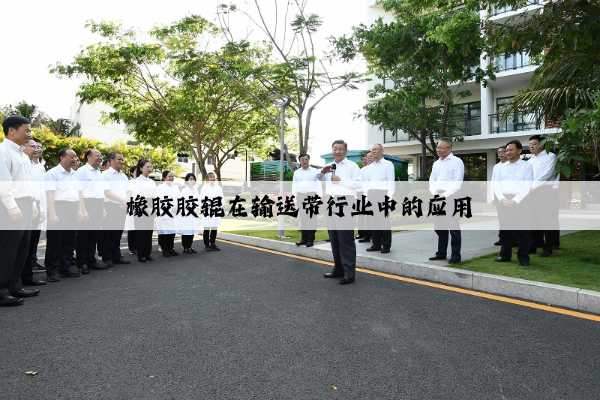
427 54
170 90
300 72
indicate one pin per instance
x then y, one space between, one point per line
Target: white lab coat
188 225
166 225
211 192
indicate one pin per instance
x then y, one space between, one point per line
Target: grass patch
576 264
268 230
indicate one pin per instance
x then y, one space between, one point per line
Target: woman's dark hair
190 175
165 173
140 165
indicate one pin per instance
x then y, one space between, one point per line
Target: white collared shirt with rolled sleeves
514 178
63 183
91 182
116 182
305 181
16 175
381 176
543 168
447 175
350 179
364 176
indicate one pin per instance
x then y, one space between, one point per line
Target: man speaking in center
341 184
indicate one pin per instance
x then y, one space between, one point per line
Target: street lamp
246 175
281 102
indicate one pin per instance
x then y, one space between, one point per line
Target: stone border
545 293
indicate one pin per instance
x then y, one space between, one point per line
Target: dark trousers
448 223
544 231
308 225
382 235
166 242
364 221
340 225
144 228
512 226
131 241
111 239
209 236
14 246
61 239
31 259
187 241
88 232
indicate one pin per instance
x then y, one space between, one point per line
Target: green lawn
268 230
576 264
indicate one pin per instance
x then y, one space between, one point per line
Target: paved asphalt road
247 324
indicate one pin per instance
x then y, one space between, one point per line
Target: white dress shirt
305 181
447 175
68 189
350 182
91 182
494 172
381 176
364 176
543 168
116 182
514 178
16 174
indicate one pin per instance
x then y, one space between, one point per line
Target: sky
47 32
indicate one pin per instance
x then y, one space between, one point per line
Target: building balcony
503 10
517 123
466 127
515 61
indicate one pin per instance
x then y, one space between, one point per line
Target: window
519 121
469 120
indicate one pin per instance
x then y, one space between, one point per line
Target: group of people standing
97 193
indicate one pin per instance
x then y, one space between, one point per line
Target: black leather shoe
207 248
98 266
8 301
33 282
328 240
141 259
310 244
358 237
52 279
187 251
69 274
332 275
346 281
122 261
83 269
364 240
192 250
37 267
498 243
150 258
166 254
383 251
301 243
545 254
132 252
524 263
173 253
109 263
374 248
214 247
434 258
500 259
453 260
22 293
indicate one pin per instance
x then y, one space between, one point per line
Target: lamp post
281 102
246 174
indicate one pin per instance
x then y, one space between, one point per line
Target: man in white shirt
62 198
341 181
503 158
445 181
364 233
381 177
33 150
115 204
512 189
304 184
17 208
544 218
91 199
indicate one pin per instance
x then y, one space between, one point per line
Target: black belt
30 199
509 196
65 202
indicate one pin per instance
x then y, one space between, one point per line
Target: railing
517 122
502 10
466 127
514 61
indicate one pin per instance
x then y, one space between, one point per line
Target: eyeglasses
442 148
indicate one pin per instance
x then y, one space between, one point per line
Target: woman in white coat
211 190
166 225
188 225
